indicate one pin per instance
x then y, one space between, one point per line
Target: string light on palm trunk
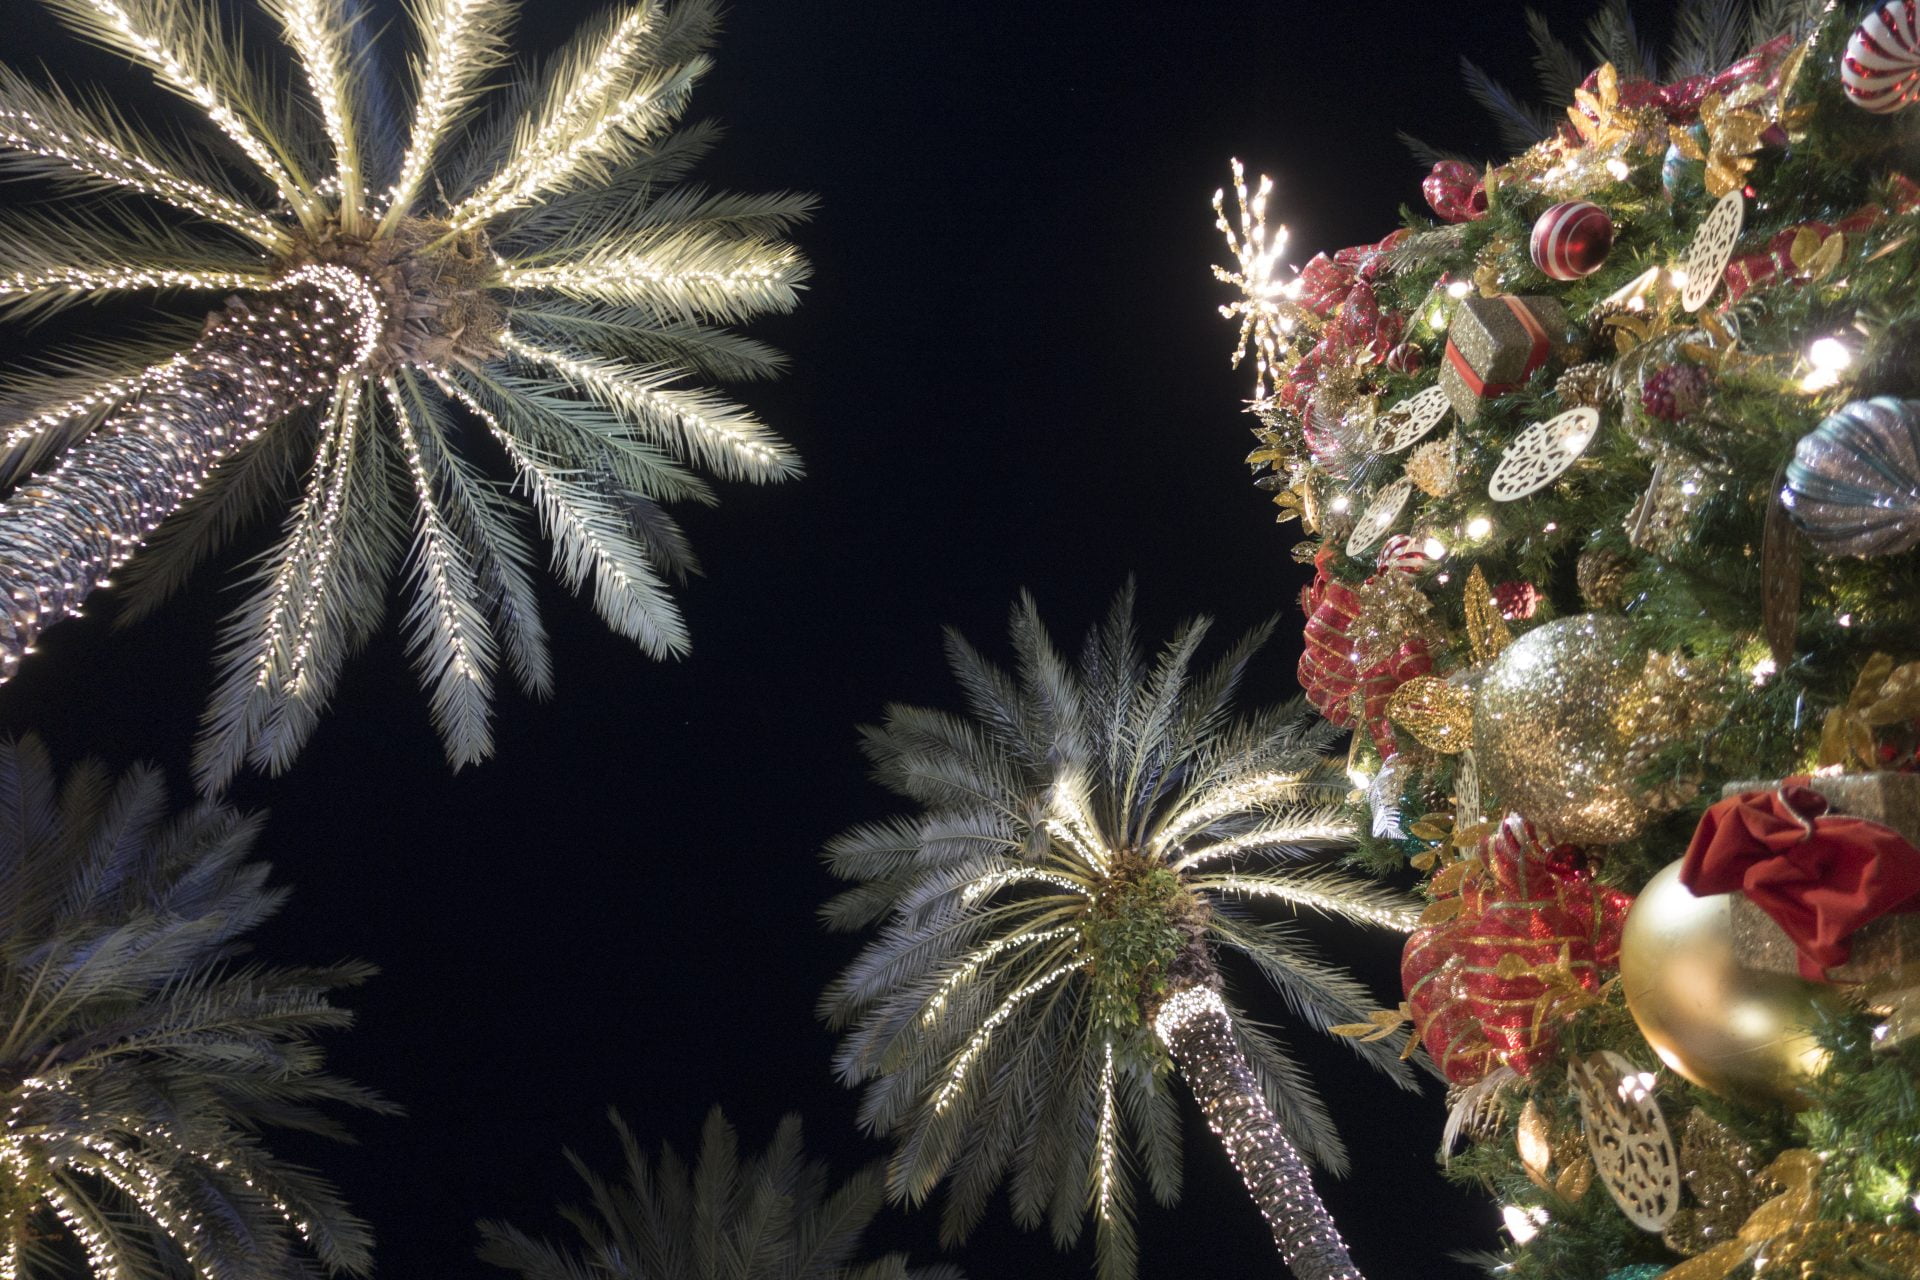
1197 1031
64 532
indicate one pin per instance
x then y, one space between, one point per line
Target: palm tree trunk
63 532
1194 1026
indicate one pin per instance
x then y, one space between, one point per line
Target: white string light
98 158
1197 1031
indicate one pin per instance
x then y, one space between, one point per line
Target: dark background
1007 373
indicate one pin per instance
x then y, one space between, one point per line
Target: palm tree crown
1088 840
770 1217
412 299
138 1062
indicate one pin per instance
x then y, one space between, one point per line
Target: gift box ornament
1884 946
1495 344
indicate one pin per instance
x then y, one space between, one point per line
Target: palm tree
139 1061
411 299
769 1218
1087 843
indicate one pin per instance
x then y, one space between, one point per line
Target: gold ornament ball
1560 725
1742 1033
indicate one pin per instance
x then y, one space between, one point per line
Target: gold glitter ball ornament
1562 725
1741 1033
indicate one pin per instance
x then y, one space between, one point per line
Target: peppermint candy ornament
1571 240
1880 70
1403 553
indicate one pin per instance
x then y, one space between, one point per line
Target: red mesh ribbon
1680 101
1820 876
1750 271
1340 288
1532 929
1537 353
1330 672
1456 191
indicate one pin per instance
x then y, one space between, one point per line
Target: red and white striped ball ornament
1881 68
1571 240
1403 553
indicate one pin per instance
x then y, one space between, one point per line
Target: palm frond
698 425
184 48
463 42
1557 69
48 263
769 1216
320 33
447 634
1520 125
94 146
592 543
1613 36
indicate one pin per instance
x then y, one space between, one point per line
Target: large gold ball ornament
1742 1033
1561 725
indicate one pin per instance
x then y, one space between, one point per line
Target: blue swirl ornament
1853 486
1638 1271
1683 178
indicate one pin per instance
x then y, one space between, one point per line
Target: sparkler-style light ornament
1091 836
540 273
1266 308
136 1067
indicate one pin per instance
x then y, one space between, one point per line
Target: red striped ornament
1881 68
1403 553
1571 240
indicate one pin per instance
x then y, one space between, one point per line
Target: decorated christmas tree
1609 468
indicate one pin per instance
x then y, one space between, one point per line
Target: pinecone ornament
1602 575
1584 384
1675 392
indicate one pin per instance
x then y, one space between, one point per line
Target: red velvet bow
1819 876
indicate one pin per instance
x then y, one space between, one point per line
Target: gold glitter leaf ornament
1438 715
1487 630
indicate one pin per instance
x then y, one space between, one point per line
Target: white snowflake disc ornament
1379 517
1538 455
1712 249
1411 419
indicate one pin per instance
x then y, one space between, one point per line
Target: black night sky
1008 372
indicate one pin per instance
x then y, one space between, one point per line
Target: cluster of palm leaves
433 299
1088 840
140 1058
769 1217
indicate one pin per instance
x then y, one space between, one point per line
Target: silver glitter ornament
1854 483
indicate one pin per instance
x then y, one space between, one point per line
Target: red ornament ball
1517 601
1571 240
1405 358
